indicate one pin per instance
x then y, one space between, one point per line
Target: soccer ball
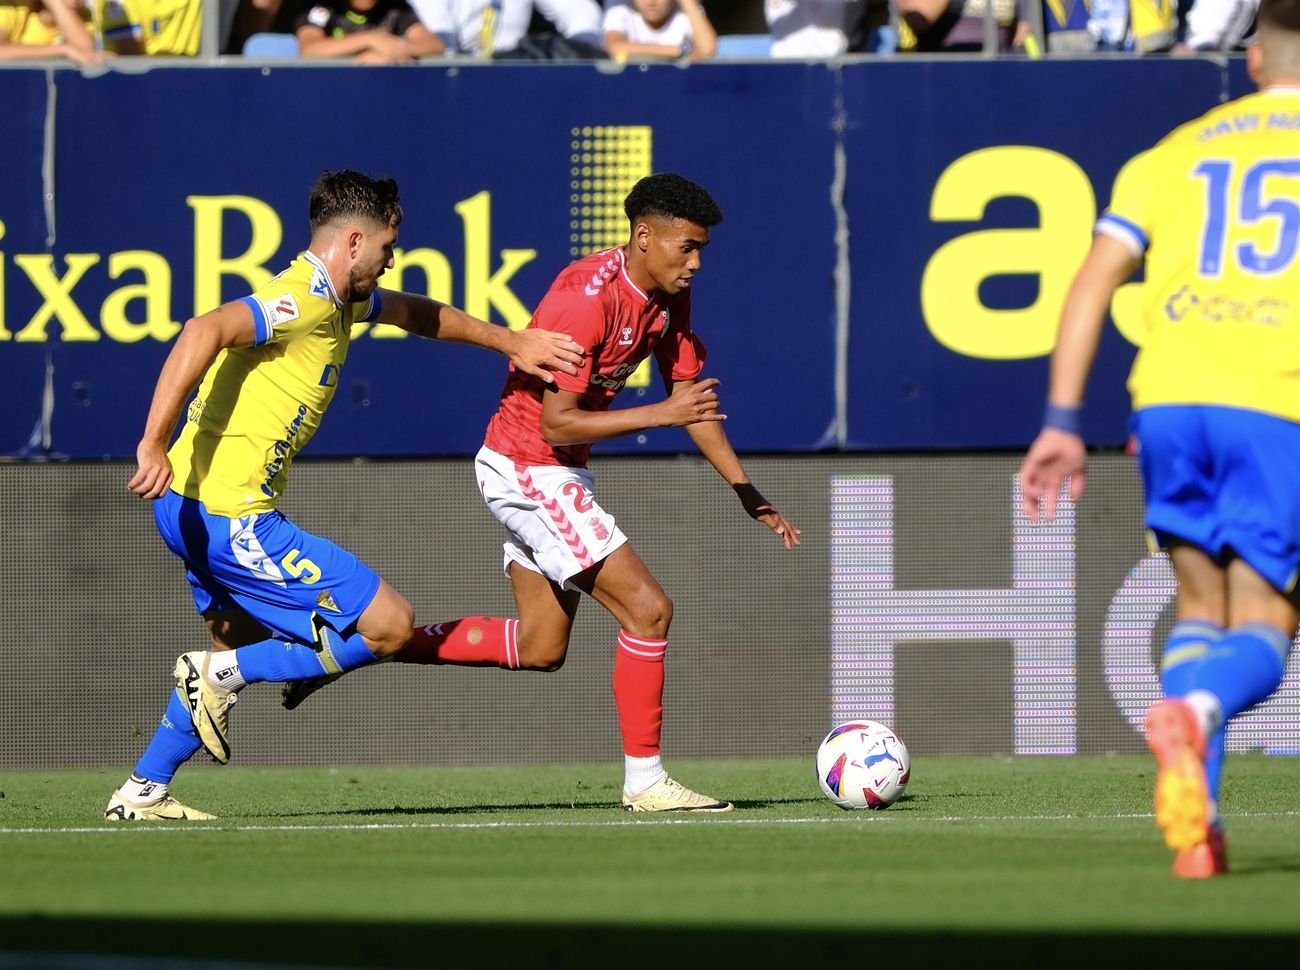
863 764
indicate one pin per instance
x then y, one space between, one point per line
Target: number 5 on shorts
300 569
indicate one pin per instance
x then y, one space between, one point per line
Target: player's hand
1054 456
154 474
538 352
763 511
691 405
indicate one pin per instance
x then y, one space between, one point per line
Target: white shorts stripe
555 526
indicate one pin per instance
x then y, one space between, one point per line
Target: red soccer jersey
618 325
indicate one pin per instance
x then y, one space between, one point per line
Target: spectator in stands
957 26
1084 26
808 28
658 30
1067 27
159 28
368 31
46 29
1217 25
254 17
500 28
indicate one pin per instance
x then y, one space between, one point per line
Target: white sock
1207 708
640 773
142 791
223 671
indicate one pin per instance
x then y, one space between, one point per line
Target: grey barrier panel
97 610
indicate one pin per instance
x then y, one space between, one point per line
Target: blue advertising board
897 234
977 202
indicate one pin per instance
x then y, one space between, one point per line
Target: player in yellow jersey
1215 209
280 604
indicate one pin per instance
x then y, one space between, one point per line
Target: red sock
475 641
639 692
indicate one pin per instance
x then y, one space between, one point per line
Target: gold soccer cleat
209 706
666 795
121 809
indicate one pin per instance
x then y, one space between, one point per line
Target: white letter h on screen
869 617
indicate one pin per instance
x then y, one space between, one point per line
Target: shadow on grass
439 810
338 943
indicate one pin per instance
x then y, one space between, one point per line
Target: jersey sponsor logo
626 338
616 380
281 310
282 449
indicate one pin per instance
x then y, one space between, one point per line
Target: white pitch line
853 818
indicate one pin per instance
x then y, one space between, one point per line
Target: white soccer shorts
556 527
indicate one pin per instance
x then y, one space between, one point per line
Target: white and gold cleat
122 809
667 795
209 706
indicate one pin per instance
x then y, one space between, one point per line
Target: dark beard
360 289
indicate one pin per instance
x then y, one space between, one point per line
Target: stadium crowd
400 31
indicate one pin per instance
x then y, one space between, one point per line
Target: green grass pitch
986 861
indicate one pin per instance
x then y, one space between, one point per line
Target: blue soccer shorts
265 565
1225 480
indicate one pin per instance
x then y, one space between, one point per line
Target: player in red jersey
621 305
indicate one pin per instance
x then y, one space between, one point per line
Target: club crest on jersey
325 600
281 310
625 339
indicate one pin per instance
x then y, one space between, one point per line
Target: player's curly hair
347 194
1280 13
669 196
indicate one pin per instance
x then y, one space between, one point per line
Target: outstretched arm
714 445
1058 452
195 349
533 351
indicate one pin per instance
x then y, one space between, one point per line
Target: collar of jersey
622 271
1289 89
315 261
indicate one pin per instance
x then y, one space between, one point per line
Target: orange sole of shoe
1182 809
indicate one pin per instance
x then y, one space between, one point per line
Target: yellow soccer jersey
1215 207
257 406
22 26
162 27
